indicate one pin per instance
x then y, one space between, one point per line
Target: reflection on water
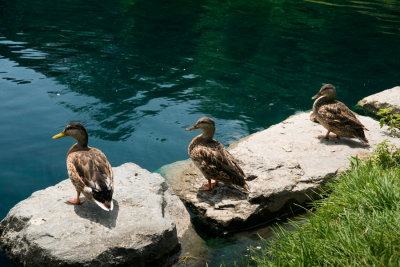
136 73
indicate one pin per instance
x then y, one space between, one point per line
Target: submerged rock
384 99
142 230
288 165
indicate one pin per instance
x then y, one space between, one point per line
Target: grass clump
390 119
357 225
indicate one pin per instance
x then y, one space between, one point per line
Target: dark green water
135 73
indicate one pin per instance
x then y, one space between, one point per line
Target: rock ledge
142 230
290 165
384 99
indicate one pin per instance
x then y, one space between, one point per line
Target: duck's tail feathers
107 205
360 135
246 188
251 177
364 140
242 188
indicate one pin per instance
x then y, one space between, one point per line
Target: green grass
357 225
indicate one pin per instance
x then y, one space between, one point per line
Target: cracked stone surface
384 99
144 228
290 165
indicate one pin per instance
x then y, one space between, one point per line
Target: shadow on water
90 211
4 261
234 249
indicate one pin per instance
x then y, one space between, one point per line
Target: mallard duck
335 116
213 160
88 168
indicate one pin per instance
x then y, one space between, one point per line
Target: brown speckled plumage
213 160
335 116
88 168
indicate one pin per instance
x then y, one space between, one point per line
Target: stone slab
291 165
143 229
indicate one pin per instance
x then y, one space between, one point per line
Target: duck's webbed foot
77 200
328 134
208 186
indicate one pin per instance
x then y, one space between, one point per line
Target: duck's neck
320 100
82 141
207 134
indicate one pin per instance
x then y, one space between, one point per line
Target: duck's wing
338 114
103 166
92 168
217 163
74 174
228 161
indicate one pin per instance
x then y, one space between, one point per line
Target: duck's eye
71 128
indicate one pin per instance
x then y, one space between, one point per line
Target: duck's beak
191 128
62 134
316 96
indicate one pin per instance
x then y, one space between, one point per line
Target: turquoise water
136 73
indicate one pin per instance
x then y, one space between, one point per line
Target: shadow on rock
353 143
221 194
94 213
392 134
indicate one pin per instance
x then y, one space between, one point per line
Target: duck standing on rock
213 160
335 116
88 168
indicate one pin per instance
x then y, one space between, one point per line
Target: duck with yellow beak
88 168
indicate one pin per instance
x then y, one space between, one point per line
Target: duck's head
204 124
75 130
327 90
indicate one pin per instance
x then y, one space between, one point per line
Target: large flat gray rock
384 99
142 230
290 165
